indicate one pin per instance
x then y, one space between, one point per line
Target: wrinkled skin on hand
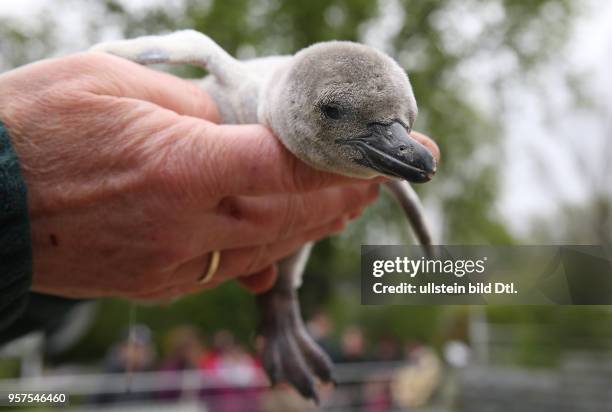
132 183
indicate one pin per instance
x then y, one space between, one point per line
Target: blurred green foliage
429 43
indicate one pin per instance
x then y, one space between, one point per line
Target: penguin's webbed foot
289 353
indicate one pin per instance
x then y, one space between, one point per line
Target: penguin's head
349 109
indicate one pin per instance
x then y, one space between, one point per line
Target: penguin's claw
289 353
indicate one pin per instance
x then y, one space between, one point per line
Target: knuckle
283 222
95 67
256 260
86 62
288 220
92 59
233 207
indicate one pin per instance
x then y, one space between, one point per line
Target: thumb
426 141
122 78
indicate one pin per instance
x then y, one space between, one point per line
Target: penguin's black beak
390 150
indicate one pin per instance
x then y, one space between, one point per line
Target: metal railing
200 385
84 384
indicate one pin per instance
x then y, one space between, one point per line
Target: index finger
250 160
124 78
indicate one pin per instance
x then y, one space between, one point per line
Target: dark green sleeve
20 310
15 244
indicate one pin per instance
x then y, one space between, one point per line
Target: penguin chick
339 106
348 109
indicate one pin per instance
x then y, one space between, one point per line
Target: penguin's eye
331 111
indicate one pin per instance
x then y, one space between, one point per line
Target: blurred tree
587 221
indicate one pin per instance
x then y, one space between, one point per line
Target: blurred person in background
387 349
232 374
376 393
376 388
185 349
134 353
414 385
353 348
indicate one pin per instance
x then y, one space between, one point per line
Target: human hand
131 184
